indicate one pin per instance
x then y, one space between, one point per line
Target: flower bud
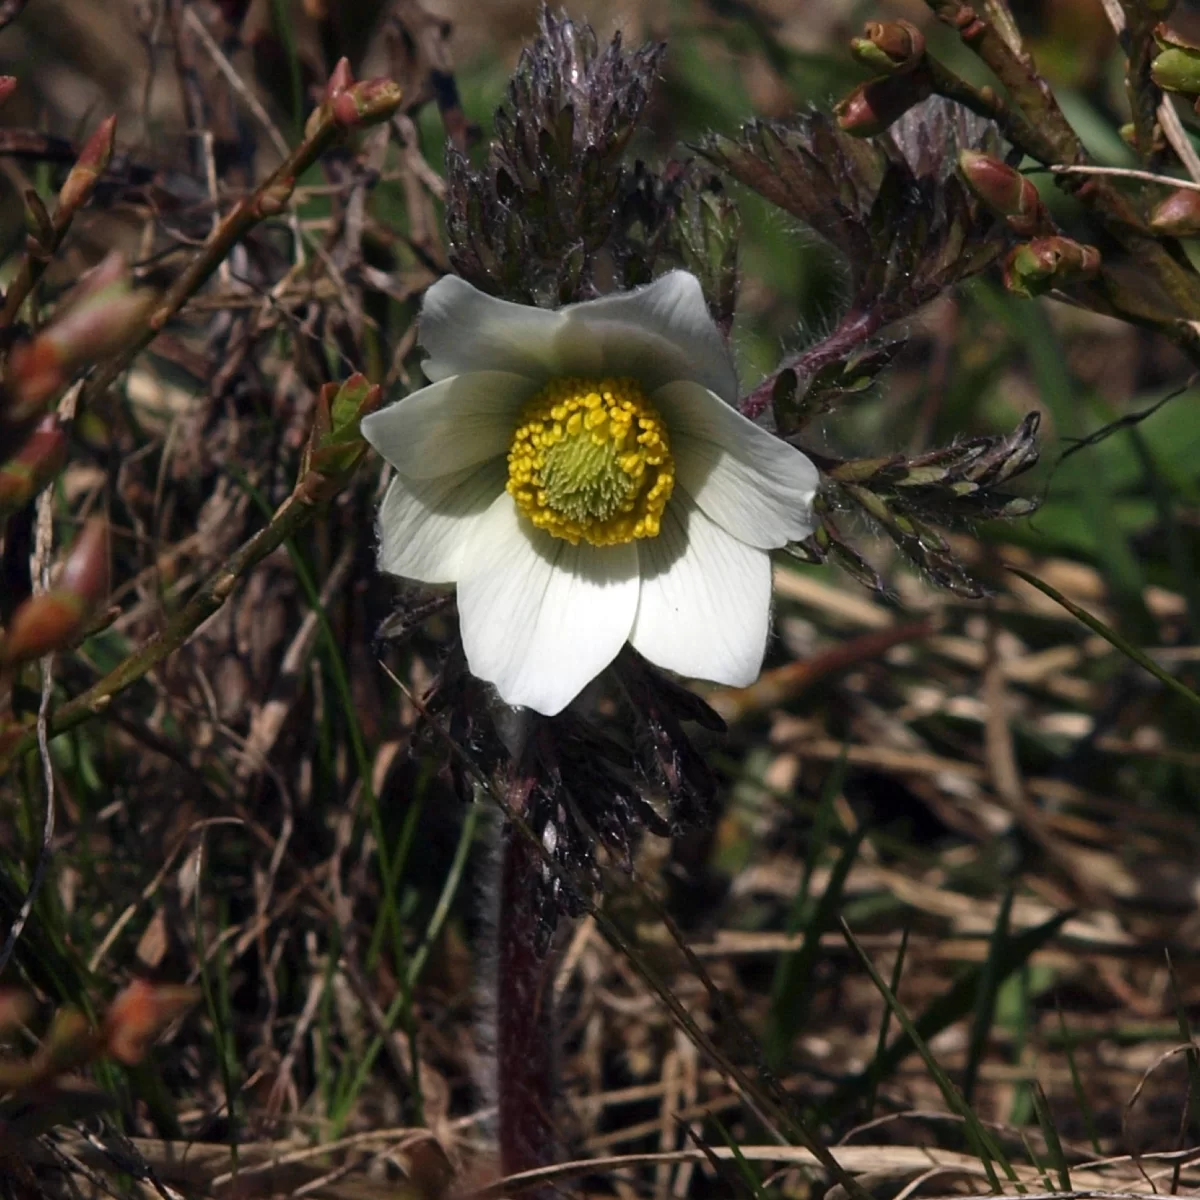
1004 190
874 105
1178 215
57 617
33 466
1049 262
92 162
8 85
889 47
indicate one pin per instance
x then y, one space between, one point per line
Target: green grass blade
875 1071
1178 555
1059 391
985 1007
1081 1098
985 1147
745 1170
1050 1132
792 989
953 1005
1111 636
350 1091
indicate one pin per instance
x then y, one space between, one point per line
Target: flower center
590 460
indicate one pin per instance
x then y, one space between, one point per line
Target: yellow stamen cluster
590 460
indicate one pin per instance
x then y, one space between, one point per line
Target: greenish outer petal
455 423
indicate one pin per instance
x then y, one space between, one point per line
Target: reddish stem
525 1032
852 332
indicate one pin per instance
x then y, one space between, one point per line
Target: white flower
583 478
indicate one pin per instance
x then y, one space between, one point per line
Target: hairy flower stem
855 328
525 1033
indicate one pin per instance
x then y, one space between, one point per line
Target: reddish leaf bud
8 85
138 1015
1004 190
56 618
69 1042
366 103
1179 214
33 466
889 47
99 317
16 1007
1049 262
85 573
873 106
340 79
92 162
336 443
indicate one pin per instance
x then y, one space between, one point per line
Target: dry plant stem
1005 24
267 200
1168 181
45 535
984 101
33 267
291 517
1168 118
1015 70
1056 142
525 1029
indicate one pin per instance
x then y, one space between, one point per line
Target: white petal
753 484
464 329
656 334
705 602
424 523
540 617
447 426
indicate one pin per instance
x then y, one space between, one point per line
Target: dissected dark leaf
893 206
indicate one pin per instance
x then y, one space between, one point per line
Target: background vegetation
1000 803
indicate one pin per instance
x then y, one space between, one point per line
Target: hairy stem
525 1033
855 328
